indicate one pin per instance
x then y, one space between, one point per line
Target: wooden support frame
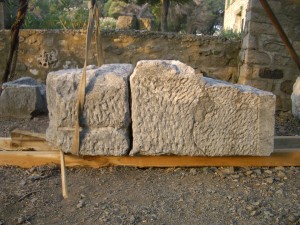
26 149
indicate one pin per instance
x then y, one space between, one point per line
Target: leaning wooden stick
63 175
93 18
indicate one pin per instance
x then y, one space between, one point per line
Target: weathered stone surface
146 24
176 111
287 87
22 98
106 114
127 22
296 99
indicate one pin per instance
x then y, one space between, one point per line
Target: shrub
230 34
108 23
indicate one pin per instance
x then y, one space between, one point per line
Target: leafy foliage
116 8
186 16
230 35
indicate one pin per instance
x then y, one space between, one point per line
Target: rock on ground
22 98
127 22
296 99
106 114
176 111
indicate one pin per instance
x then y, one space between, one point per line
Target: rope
93 15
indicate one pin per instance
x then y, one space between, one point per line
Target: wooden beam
27 159
24 140
286 153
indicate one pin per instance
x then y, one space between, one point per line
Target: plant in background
116 8
108 23
74 18
230 35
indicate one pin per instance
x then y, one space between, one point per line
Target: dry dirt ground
123 195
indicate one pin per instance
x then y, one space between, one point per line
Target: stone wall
43 51
265 61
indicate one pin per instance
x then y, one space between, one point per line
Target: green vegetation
230 35
185 16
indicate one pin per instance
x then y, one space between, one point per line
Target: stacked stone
106 115
174 110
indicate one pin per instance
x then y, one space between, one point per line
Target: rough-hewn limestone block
106 114
296 99
127 22
176 111
22 98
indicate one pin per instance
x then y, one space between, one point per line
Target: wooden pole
14 41
63 175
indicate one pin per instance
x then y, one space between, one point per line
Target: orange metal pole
281 32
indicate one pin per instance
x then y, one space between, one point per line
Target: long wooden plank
36 158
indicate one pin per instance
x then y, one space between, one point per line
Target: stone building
235 13
264 61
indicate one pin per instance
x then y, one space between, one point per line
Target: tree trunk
164 15
1 15
14 40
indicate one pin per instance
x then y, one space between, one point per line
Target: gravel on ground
126 195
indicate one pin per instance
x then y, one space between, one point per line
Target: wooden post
63 175
2 15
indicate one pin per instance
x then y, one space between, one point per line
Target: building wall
42 51
235 13
264 60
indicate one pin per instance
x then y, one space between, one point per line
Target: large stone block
176 111
296 99
106 115
22 98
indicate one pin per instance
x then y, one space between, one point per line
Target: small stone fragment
292 218
280 174
23 182
268 172
270 180
257 171
268 214
80 204
279 168
228 170
193 171
248 173
132 219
